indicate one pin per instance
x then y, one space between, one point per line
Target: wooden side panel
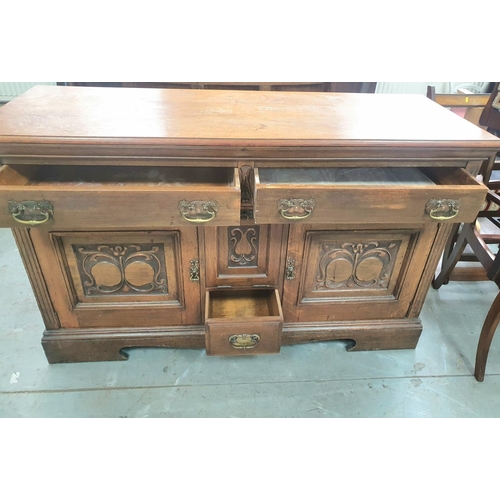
121 279
35 275
430 268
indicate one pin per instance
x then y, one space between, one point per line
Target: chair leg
452 239
489 327
450 263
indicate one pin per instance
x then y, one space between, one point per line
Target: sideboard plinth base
84 345
368 335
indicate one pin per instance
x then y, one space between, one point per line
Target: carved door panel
345 275
244 255
127 279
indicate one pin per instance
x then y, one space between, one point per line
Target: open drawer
76 197
354 195
243 322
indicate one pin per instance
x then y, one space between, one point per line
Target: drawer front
438 194
243 322
243 339
213 199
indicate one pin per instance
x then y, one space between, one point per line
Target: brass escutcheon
290 269
194 270
32 213
442 209
244 340
296 208
198 211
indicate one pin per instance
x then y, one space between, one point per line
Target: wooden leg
453 258
483 347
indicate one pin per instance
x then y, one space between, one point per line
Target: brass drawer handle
198 211
442 209
296 208
31 212
244 341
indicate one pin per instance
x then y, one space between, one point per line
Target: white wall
10 90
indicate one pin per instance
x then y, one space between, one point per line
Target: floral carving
243 246
352 256
117 261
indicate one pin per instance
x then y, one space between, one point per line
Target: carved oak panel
122 269
114 267
350 265
353 274
244 255
131 278
243 247
340 264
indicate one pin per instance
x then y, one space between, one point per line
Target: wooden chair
470 235
470 107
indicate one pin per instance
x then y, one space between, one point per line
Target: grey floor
313 380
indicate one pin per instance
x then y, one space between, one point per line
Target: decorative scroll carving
124 269
246 214
350 265
243 246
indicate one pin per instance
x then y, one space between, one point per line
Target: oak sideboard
232 221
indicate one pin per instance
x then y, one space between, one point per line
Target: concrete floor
313 380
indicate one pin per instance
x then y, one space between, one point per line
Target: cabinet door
244 255
121 279
335 275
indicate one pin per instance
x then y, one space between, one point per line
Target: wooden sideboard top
83 116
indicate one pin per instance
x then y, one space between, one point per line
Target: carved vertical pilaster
246 183
30 261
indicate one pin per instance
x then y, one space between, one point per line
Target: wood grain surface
87 115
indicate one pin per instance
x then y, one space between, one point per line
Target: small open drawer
243 322
362 194
90 197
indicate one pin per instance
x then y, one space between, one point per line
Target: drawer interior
328 176
390 177
115 176
242 304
